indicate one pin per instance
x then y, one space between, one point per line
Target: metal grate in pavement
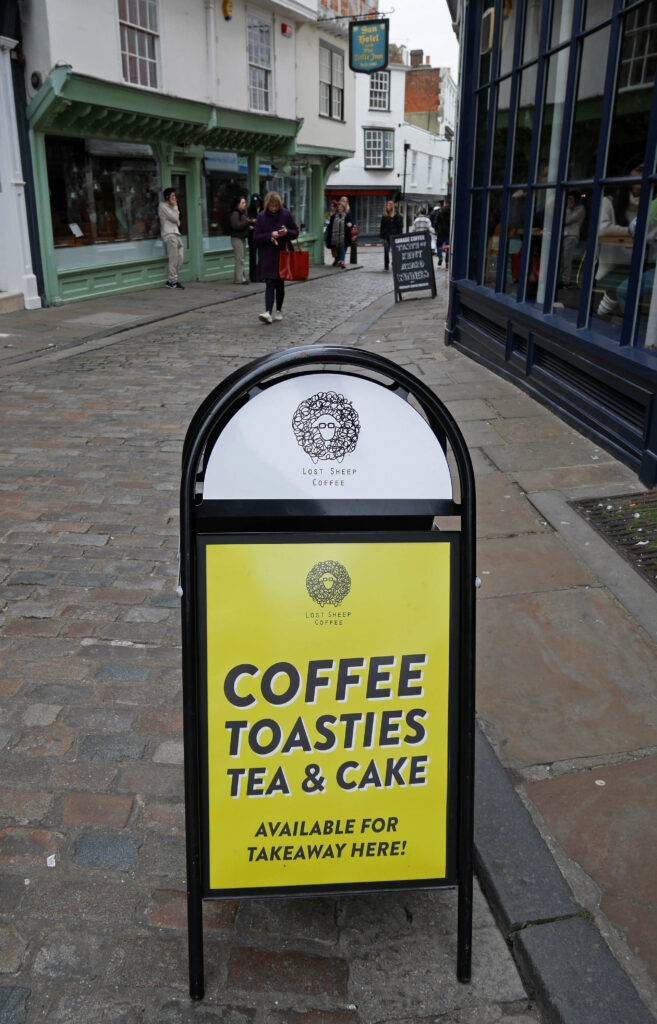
628 523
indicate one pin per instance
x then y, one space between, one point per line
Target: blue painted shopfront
556 195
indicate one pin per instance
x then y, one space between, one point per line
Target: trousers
176 253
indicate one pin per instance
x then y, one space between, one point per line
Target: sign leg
195 942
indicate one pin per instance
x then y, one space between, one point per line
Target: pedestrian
338 233
239 233
274 229
421 222
169 215
392 225
253 209
332 209
442 225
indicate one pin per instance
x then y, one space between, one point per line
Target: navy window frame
473 263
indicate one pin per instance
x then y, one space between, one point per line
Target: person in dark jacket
391 226
239 232
274 229
442 224
252 211
338 233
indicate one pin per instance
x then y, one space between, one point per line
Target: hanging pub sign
412 263
328 638
368 45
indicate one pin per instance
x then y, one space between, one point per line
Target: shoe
265 317
607 306
278 315
170 284
342 265
179 285
246 282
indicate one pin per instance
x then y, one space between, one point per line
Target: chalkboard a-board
412 263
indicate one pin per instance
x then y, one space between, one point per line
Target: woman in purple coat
274 230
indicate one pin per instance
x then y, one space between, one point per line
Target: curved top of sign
327 436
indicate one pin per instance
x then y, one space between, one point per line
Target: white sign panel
327 436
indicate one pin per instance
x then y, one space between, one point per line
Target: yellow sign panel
328 668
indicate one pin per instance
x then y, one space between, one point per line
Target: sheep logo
326 426
328 583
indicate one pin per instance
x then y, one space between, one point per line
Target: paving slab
564 674
620 802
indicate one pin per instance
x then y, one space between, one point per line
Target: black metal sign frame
412 264
215 521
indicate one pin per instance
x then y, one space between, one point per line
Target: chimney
417 57
429 60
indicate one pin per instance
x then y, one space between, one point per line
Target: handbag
293 264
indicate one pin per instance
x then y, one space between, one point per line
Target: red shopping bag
294 264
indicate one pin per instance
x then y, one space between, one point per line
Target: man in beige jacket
170 231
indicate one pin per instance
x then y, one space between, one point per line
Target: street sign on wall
368 45
328 637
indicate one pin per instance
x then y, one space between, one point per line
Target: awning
77 105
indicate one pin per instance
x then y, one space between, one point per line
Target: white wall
85 34
352 173
321 131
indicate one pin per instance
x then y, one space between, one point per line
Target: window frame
387 135
253 18
334 107
133 32
376 77
483 191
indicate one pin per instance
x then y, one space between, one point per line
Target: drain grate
629 524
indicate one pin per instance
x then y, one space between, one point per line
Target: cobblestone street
93 924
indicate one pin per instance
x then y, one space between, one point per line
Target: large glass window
223 177
294 187
101 192
260 63
588 105
635 83
139 41
554 235
331 82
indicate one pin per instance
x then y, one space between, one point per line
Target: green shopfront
555 210
103 153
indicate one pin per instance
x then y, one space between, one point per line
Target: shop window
101 192
486 38
481 136
553 112
597 11
562 21
634 88
260 63
379 148
493 238
380 90
524 125
139 41
572 252
223 177
615 245
294 187
647 299
501 132
588 105
331 82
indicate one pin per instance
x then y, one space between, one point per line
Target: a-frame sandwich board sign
328 625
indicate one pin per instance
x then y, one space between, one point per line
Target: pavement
97 396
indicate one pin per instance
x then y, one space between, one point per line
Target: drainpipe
210 35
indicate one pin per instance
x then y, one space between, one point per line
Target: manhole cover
629 524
